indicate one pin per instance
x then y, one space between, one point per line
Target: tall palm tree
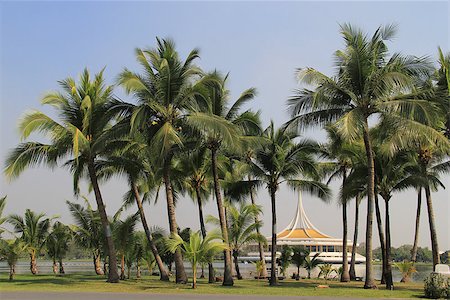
80 133
352 270
280 160
123 232
166 94
88 231
3 219
33 230
367 83
57 244
197 249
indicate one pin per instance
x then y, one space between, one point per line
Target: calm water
247 270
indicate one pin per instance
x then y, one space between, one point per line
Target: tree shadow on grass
48 279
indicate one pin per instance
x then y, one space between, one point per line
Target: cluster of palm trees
387 120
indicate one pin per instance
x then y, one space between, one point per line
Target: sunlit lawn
92 283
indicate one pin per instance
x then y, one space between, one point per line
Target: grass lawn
92 283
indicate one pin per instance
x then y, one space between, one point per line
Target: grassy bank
92 283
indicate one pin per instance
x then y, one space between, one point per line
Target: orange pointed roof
301 227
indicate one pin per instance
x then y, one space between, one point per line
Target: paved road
129 296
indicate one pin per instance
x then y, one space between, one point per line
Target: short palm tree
279 160
368 83
33 230
87 231
241 229
299 254
311 263
407 269
11 251
326 270
79 133
123 232
285 259
57 244
197 249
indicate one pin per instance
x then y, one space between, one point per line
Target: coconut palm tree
166 95
284 261
87 231
241 229
123 232
299 254
407 269
222 127
33 230
280 160
367 83
195 167
11 251
197 249
79 133
2 218
57 244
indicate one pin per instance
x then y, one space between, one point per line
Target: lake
247 269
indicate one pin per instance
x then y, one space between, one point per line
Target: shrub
437 286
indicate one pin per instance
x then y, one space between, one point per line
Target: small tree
11 251
299 256
285 259
57 244
311 263
406 268
326 270
197 249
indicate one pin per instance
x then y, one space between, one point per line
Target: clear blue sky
259 43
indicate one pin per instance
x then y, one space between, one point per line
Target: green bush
437 286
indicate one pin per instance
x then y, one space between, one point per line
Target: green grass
92 283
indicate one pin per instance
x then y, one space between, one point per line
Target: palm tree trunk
194 276
122 267
298 273
382 240
227 276
12 271
260 245
113 277
138 270
345 276
97 266
388 274
236 264
416 231
355 240
128 272
33 264
434 241
163 275
55 266
273 265
369 282
61 267
180 273
211 278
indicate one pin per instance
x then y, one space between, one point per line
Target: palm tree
2 219
326 270
368 83
80 133
299 254
197 249
311 263
406 268
88 231
352 271
34 230
285 259
222 128
123 232
241 229
280 160
57 244
11 251
195 167
166 95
